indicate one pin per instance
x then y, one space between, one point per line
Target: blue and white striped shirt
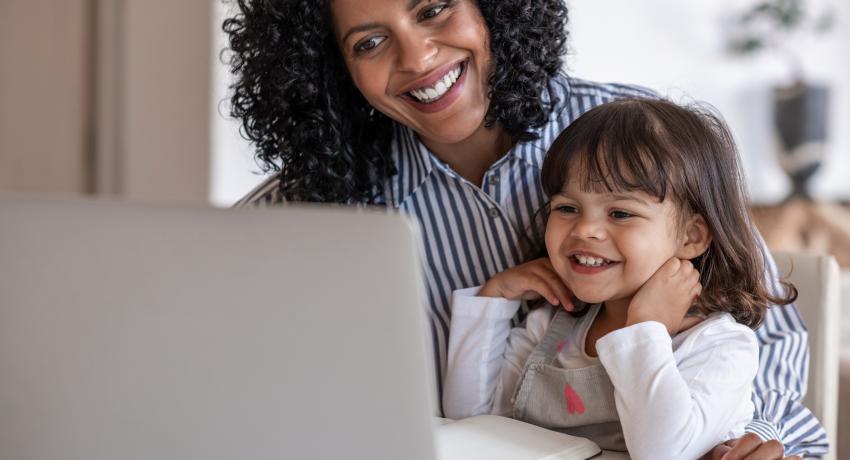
471 233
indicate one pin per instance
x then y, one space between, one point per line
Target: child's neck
612 316
615 312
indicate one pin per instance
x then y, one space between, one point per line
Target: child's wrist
490 290
638 315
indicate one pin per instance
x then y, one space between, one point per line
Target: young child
647 227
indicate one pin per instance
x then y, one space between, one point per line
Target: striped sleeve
267 193
781 381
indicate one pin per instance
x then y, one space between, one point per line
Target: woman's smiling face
423 63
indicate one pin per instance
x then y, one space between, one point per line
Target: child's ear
697 238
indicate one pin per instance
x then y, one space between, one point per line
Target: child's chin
583 300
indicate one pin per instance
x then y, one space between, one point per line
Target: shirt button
494 179
494 213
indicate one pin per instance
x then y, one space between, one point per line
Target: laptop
138 332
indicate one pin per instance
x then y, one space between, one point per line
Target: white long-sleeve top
676 397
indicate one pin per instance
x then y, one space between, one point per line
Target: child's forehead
575 188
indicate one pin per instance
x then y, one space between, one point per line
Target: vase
801 113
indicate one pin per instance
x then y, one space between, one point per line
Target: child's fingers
547 286
671 267
696 291
542 288
562 292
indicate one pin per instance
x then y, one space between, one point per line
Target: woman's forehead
369 10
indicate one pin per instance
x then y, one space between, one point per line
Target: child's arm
671 409
485 356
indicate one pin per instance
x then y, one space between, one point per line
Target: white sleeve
692 405
485 356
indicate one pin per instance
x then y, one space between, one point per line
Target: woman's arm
671 409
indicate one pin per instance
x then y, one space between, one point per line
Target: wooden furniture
806 226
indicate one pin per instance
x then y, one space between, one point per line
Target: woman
444 109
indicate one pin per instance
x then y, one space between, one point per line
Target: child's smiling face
606 245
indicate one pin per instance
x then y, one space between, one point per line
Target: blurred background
128 99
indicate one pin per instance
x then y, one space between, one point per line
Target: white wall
674 47
233 170
678 49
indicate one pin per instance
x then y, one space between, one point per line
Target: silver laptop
136 332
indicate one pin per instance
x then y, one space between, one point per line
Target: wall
678 48
44 95
154 92
233 170
674 47
109 97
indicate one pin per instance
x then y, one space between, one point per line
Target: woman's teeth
591 261
432 93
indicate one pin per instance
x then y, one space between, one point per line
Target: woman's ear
697 238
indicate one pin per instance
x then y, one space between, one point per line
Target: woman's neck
471 157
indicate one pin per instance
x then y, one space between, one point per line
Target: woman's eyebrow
374 25
360 28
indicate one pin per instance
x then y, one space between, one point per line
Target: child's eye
621 214
369 44
565 209
432 12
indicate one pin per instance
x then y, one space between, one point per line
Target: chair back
816 277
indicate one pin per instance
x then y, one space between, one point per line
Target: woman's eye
432 12
621 214
369 44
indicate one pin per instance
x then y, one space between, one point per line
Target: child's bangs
618 147
607 166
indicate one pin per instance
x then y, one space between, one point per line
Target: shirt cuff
765 430
465 302
631 337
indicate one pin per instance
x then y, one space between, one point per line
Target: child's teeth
590 261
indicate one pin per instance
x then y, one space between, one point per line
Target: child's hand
666 296
529 281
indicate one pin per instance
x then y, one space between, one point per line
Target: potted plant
801 107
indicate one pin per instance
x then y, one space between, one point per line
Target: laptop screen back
138 332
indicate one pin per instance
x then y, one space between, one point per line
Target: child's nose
587 227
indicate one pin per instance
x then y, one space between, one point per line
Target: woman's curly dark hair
300 108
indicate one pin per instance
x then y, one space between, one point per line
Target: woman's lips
446 100
435 76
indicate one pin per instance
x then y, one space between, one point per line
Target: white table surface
606 454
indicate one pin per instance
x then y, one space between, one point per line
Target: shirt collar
413 162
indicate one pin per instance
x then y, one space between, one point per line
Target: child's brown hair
682 153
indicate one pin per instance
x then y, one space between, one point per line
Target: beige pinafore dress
578 402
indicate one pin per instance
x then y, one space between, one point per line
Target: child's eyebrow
609 197
621 197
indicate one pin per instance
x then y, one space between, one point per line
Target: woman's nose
416 53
